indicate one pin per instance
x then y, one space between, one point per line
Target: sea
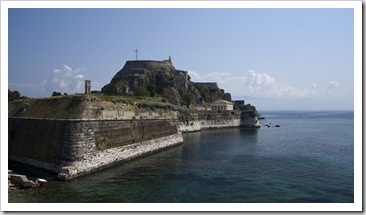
294 157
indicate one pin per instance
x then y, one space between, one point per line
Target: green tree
188 98
151 89
56 93
142 91
13 95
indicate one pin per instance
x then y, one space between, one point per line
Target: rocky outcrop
211 92
160 78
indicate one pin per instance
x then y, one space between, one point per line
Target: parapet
209 85
145 64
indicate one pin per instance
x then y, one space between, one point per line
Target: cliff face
160 78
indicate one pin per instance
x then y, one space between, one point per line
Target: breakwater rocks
16 181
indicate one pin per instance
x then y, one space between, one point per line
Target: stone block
27 184
17 179
21 181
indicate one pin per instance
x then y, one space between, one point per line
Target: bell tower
87 86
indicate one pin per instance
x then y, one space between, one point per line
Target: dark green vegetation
55 93
188 98
14 95
161 79
142 91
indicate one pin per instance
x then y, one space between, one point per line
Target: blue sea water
308 159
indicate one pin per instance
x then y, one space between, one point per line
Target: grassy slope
70 106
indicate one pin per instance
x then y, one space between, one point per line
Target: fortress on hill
141 111
161 78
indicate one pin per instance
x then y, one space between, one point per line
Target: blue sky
275 59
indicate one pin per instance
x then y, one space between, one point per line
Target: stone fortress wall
56 144
104 133
206 119
148 64
74 146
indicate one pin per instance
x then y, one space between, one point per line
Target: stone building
222 105
87 87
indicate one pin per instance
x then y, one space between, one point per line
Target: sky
274 59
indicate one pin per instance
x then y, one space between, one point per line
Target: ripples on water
308 159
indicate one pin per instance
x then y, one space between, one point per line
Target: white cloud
67 68
63 80
263 85
194 75
79 76
62 84
66 79
334 83
334 89
260 79
215 76
225 80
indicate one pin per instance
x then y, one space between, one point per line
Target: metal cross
136 52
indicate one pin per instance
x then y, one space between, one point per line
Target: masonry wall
204 119
55 144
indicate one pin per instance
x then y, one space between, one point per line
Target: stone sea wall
205 119
63 145
105 158
73 136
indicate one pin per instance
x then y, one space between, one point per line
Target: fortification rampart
69 135
74 147
73 136
208 85
205 119
143 64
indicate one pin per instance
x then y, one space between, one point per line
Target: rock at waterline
269 125
20 181
41 181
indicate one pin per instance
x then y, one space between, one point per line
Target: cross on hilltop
136 52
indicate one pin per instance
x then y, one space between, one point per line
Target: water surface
309 158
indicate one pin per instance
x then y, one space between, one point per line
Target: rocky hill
161 79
